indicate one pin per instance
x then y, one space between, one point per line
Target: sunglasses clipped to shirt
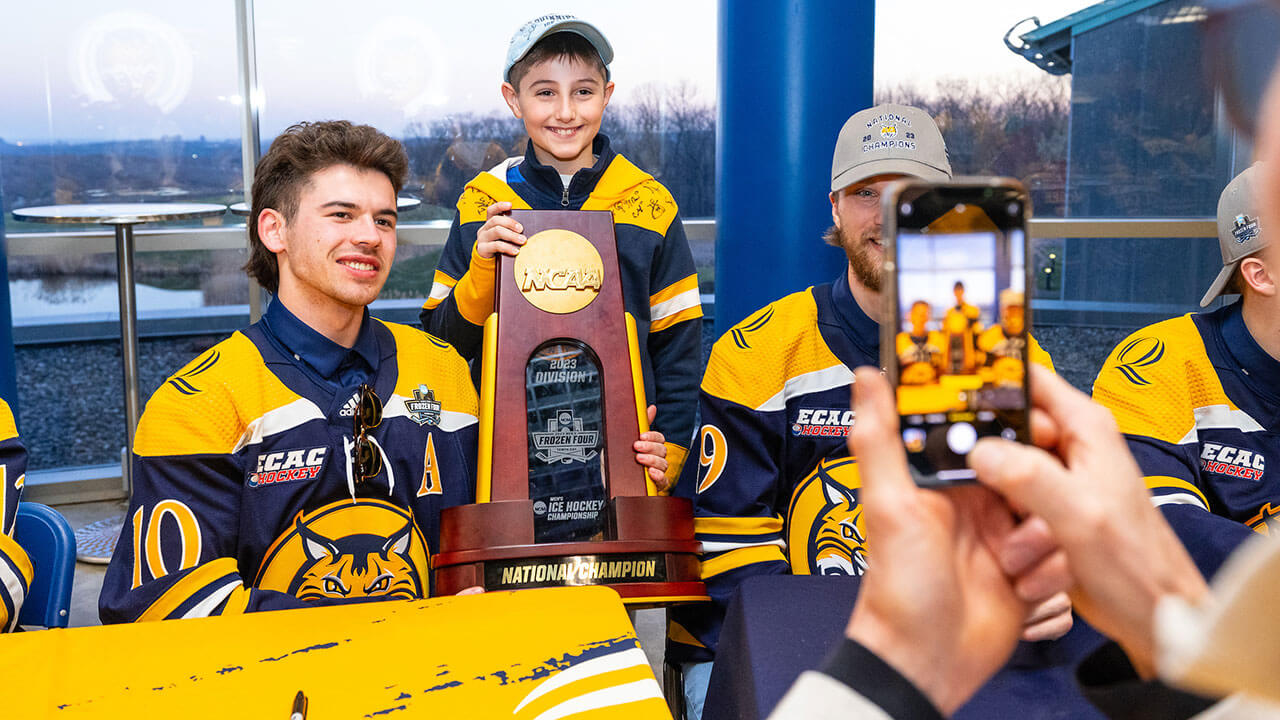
366 458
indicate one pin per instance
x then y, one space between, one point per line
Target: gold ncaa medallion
559 271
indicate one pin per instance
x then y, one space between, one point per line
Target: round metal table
122 217
402 203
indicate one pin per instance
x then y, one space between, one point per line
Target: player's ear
271 229
512 98
835 199
608 92
1255 274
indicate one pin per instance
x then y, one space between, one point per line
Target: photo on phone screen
959 349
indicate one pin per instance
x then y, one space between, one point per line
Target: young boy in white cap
1198 396
556 81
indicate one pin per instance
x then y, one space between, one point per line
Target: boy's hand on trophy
500 232
651 452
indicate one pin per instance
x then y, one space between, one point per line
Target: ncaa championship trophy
560 498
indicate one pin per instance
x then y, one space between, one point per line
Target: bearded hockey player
774 488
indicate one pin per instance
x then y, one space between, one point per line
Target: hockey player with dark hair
305 459
1198 396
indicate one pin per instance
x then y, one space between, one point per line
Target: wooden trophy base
491 545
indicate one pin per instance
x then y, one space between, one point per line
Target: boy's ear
608 91
271 228
513 99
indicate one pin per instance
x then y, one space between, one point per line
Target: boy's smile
561 102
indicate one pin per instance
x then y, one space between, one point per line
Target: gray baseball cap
1239 234
889 139
531 32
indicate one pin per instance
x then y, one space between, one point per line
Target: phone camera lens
1014 208
905 209
960 207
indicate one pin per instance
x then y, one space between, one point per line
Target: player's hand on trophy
1082 480
500 232
473 590
935 603
651 452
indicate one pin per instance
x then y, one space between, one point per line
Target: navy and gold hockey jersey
244 498
15 567
774 488
659 283
1199 403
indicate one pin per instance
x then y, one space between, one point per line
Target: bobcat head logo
357 566
345 550
838 547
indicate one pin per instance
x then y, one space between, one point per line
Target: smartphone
954 340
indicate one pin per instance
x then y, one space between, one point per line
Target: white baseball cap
531 32
889 139
1239 234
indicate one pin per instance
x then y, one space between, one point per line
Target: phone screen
960 344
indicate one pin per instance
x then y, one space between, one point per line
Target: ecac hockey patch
287 465
822 422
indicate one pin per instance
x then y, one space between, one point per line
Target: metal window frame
434 233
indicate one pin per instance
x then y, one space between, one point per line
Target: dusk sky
80 69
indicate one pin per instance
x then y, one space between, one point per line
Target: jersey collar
1249 356
544 180
334 364
862 330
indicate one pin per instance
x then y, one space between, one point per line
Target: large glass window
431 75
131 101
1106 113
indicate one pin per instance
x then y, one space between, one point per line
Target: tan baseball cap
889 139
1239 234
531 32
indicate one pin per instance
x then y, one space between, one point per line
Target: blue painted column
791 73
8 364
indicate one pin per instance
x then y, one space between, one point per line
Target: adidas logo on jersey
287 465
349 407
1232 461
822 422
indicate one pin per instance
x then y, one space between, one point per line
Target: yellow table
536 654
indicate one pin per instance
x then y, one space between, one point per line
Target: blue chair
48 540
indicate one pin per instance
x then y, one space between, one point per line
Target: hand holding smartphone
954 340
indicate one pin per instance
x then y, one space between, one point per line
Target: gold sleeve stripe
692 313
237 602
1157 482
1038 355
675 461
8 428
737 525
441 286
674 289
11 548
774 355
484 190
474 292
741 558
193 582
235 398
677 633
445 372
